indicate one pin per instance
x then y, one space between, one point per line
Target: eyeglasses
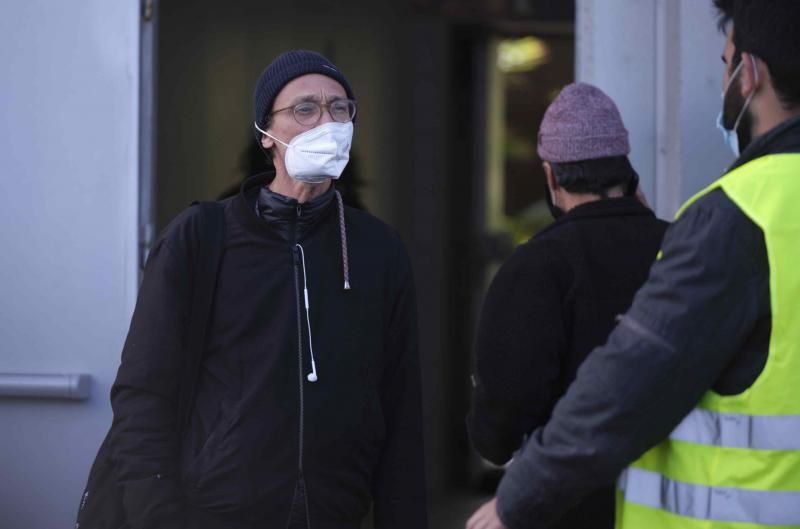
310 112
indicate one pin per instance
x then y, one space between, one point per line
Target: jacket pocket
216 478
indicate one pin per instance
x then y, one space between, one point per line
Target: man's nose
326 115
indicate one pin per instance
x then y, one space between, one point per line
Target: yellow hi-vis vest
734 461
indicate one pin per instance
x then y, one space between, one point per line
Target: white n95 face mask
317 154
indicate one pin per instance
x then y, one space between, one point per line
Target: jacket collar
264 211
272 206
784 138
607 207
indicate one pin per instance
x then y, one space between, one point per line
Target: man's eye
305 109
342 110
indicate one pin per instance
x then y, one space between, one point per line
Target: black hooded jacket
260 430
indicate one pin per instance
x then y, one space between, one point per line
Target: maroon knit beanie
582 123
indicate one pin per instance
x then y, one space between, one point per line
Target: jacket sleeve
145 394
519 337
701 301
399 490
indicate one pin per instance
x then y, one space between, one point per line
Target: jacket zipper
299 351
296 260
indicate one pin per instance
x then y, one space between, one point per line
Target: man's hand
486 517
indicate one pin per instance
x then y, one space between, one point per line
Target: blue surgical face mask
731 136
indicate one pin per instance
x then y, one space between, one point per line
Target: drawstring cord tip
346 284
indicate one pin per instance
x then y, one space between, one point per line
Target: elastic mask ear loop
750 97
264 132
724 90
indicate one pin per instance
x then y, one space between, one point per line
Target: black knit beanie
286 67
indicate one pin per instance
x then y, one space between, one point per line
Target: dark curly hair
596 176
768 30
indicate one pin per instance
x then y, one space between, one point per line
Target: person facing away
693 404
308 407
557 296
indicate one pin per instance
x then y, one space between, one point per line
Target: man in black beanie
307 410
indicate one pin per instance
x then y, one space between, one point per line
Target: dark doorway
502 78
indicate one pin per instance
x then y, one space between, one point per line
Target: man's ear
752 74
552 183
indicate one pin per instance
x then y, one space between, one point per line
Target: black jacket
260 430
701 321
552 302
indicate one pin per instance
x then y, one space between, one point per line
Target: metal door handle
70 387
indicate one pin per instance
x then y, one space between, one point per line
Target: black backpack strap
206 257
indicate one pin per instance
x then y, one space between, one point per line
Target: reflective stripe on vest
710 503
759 432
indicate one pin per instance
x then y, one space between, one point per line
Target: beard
731 106
555 211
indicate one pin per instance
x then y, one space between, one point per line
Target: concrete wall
659 60
68 173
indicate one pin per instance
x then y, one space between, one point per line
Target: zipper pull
299 210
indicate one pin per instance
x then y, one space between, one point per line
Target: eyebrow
315 98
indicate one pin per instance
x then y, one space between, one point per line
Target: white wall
68 196
659 60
